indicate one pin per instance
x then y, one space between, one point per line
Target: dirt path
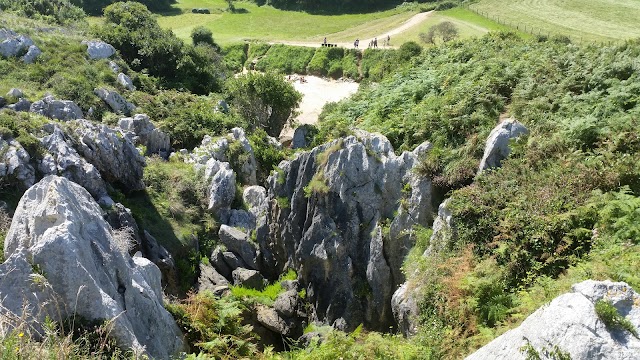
415 20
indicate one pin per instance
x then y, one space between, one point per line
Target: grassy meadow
252 22
592 20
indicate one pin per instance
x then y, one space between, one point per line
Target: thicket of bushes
53 11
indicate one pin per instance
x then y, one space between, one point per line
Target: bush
267 154
54 11
327 61
286 59
409 50
235 56
202 35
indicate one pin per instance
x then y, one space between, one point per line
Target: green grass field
469 24
586 20
270 24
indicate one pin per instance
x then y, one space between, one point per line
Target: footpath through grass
252 22
582 20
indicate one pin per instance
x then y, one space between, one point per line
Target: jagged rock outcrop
115 101
405 310
14 163
327 213
140 131
62 159
250 279
126 82
14 45
57 109
239 243
62 229
222 188
497 146
571 324
98 49
218 148
211 280
112 154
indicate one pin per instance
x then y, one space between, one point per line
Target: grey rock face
62 159
32 54
14 163
61 227
301 136
141 131
13 45
112 154
571 323
497 146
114 67
238 242
338 197
210 279
57 109
270 319
126 82
23 105
99 49
248 278
286 304
222 188
405 310
444 232
115 101
217 149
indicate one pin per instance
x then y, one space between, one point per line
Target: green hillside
586 20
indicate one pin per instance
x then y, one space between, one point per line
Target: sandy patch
316 92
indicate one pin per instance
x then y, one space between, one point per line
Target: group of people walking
373 44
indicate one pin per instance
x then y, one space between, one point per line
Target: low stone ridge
112 154
126 82
14 45
238 242
571 325
15 163
338 198
61 228
98 49
115 101
497 146
57 109
140 131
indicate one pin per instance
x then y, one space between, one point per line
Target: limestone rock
217 149
140 131
222 188
57 109
14 163
61 227
271 320
210 279
217 259
497 146
338 195
238 242
62 159
114 67
99 49
115 101
286 304
120 218
113 155
571 323
248 278
3 102
13 44
15 93
302 136
443 230
163 260
32 54
405 310
23 105
126 82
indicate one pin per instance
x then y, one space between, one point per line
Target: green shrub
612 318
268 155
268 295
54 11
255 52
203 35
327 61
286 59
235 56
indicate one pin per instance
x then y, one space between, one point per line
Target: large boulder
115 101
99 49
405 310
57 109
497 146
570 324
22 105
126 82
329 209
62 229
211 280
14 45
15 163
247 278
15 93
222 188
140 131
112 154
62 159
239 243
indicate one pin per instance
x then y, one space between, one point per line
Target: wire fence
536 31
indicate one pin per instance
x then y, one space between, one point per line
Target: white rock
99 49
57 109
115 101
32 54
15 163
497 146
141 131
126 82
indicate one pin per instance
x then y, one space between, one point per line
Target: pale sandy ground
415 20
316 92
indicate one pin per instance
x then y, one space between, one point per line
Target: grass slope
267 23
587 20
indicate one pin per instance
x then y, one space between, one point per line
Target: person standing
325 41
388 40
375 43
